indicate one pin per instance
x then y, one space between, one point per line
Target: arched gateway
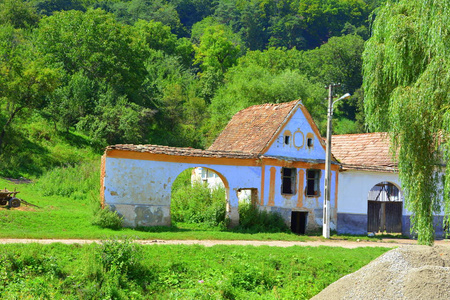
384 208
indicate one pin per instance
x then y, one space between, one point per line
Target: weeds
119 269
253 220
197 203
106 218
75 181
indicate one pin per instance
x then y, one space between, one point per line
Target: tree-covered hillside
82 74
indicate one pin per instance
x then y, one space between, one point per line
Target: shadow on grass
21 155
80 142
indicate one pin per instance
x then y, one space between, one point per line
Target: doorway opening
298 222
384 208
248 196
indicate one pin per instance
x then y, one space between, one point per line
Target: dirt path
389 243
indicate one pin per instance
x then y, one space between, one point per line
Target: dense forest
172 72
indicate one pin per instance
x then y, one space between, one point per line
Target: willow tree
406 66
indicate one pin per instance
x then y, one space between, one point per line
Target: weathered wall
274 200
140 190
354 187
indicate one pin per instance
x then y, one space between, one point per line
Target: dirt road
389 243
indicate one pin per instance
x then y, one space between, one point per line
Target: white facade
287 177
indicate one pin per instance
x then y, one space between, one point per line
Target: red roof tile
251 129
366 151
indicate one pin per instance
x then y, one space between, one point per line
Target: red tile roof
366 151
253 128
157 149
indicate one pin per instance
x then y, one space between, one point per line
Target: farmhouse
273 152
370 195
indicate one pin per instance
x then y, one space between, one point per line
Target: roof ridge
366 133
268 104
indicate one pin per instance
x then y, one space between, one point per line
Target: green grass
33 146
69 217
116 270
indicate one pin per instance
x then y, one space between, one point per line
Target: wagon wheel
14 202
3 201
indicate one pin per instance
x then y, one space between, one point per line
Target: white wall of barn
354 187
129 183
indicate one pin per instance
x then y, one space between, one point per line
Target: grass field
115 270
69 217
124 270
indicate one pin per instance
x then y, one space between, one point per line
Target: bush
253 220
107 218
197 203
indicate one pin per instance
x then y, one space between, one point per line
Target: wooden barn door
384 209
374 216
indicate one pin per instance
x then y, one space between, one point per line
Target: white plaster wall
212 179
130 181
354 187
290 201
313 204
299 128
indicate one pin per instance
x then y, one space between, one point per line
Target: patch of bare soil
21 208
408 272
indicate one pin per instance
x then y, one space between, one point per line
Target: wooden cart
9 198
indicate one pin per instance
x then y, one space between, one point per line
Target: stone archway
384 208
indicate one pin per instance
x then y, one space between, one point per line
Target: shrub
107 218
197 203
121 256
251 219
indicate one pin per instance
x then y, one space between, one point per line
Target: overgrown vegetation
124 270
106 218
253 220
93 73
196 203
78 182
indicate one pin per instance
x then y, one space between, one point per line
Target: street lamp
326 202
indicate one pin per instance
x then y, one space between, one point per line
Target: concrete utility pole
326 201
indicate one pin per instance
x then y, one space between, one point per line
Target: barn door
384 209
374 216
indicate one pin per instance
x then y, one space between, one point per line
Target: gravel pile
409 272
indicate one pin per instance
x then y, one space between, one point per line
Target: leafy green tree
18 13
93 42
25 79
193 11
174 93
406 86
257 79
339 61
71 101
217 52
158 36
156 10
116 120
48 7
